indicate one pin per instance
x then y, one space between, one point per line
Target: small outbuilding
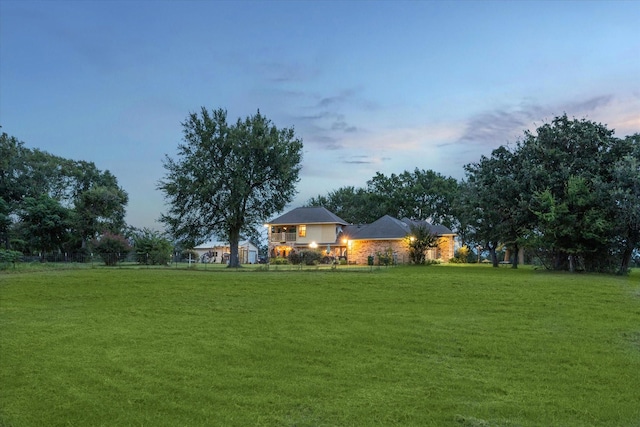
219 252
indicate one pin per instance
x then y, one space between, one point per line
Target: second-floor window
302 231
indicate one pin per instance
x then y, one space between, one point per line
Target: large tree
626 199
44 222
570 179
99 209
491 202
568 192
228 179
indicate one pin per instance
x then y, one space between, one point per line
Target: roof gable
386 227
391 228
308 215
437 229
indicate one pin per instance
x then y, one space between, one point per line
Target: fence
61 260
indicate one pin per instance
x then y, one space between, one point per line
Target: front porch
326 250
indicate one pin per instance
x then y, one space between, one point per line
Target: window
302 231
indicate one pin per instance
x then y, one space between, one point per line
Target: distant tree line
569 194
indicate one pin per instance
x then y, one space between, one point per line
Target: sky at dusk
369 86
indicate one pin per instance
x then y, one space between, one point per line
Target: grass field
441 345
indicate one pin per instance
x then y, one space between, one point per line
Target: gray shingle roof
386 227
308 215
389 227
437 229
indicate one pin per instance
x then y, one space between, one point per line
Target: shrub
312 257
278 260
464 255
111 247
9 257
419 241
152 248
184 255
295 258
386 257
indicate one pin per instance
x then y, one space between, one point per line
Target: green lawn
440 345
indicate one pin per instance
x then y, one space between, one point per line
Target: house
306 228
219 252
316 228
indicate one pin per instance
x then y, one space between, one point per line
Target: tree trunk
572 267
626 258
234 238
560 261
516 253
492 252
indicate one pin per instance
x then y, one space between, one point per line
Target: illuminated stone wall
360 250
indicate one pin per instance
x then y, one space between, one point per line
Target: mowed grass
441 346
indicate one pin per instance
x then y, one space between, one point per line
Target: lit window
302 231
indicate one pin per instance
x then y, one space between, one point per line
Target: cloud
358 160
287 72
620 113
591 104
325 142
486 131
341 125
343 97
494 128
328 118
504 125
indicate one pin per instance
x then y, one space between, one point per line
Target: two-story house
316 228
303 229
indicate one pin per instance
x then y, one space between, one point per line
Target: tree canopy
228 178
50 203
416 195
568 192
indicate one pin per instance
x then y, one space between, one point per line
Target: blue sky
369 86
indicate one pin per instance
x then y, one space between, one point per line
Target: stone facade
445 249
359 250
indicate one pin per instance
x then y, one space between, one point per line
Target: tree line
51 205
568 194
